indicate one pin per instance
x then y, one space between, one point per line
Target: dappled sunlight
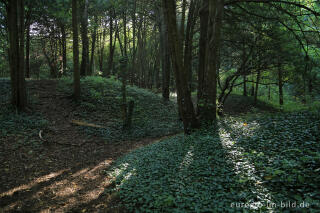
236 125
33 183
79 173
95 193
75 189
100 166
173 94
187 160
244 168
69 203
128 175
67 190
123 171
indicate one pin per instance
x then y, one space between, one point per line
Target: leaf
301 179
278 172
268 177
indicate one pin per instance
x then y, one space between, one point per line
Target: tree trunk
280 84
119 39
269 92
244 59
252 86
204 16
64 48
93 45
85 41
184 94
111 46
188 41
28 52
214 31
15 14
244 85
165 57
257 87
183 17
101 52
124 64
76 73
310 86
133 61
157 70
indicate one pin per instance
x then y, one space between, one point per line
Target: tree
94 35
185 104
15 13
85 40
76 73
165 57
212 60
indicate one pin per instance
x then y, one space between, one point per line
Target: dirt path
66 173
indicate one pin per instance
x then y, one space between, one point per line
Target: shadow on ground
64 170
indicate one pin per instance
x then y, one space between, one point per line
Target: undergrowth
101 105
256 163
21 127
291 102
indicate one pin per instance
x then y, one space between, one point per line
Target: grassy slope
259 160
101 105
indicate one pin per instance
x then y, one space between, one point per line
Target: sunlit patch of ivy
262 161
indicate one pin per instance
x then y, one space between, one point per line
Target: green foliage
101 104
14 124
257 160
292 102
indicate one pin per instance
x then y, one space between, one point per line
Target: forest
159 106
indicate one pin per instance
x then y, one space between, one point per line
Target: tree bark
214 31
76 73
269 92
243 69
204 16
184 94
188 41
85 41
101 52
133 60
165 57
280 84
93 45
111 46
28 52
257 86
157 70
252 86
124 64
244 85
64 48
15 14
183 17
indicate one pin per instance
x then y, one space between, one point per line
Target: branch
274 1
281 22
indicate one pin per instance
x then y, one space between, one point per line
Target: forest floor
59 156
64 171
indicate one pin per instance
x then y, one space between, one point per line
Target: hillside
59 148
253 163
